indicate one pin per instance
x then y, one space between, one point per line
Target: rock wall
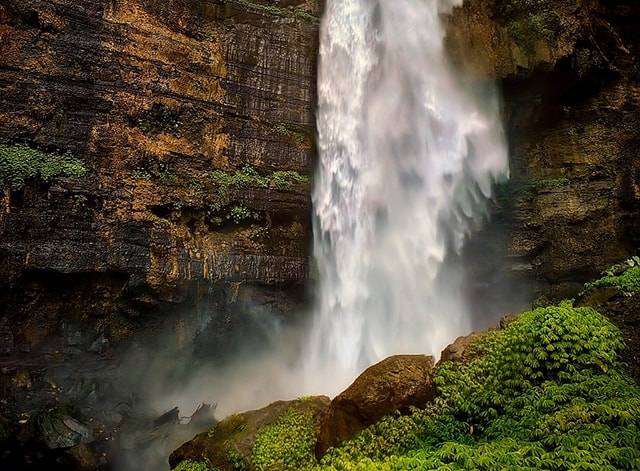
169 105
568 70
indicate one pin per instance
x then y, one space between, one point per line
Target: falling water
407 160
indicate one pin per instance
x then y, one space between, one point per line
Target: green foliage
162 172
235 459
249 177
239 214
546 392
287 444
625 277
295 12
189 465
19 163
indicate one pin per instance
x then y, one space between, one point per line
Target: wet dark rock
397 383
6 338
59 430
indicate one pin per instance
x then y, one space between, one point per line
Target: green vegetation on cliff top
546 392
20 163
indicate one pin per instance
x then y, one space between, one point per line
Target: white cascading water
407 161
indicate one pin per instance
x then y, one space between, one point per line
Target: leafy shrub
19 163
546 392
287 444
625 277
189 465
239 214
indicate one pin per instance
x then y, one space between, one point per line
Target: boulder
459 349
229 445
59 430
395 384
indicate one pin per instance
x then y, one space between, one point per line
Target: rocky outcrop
230 445
568 73
397 383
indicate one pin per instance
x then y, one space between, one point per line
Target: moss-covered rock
279 436
20 163
395 384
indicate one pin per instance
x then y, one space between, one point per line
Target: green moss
624 277
20 163
295 12
189 465
239 214
287 444
249 177
547 392
161 172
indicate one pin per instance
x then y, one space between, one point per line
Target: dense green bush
19 163
547 392
189 465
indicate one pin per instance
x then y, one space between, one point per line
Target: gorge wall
193 120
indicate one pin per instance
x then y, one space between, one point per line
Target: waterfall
407 162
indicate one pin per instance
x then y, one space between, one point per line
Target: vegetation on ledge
546 392
249 177
625 277
287 444
20 163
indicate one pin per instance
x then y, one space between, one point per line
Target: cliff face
194 122
569 74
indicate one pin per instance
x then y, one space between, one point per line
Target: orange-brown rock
395 384
568 74
152 96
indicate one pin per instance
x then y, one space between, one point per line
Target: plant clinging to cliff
189 465
625 277
20 163
248 177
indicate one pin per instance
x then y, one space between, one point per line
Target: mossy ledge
20 163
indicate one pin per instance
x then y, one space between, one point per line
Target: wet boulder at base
237 441
397 383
